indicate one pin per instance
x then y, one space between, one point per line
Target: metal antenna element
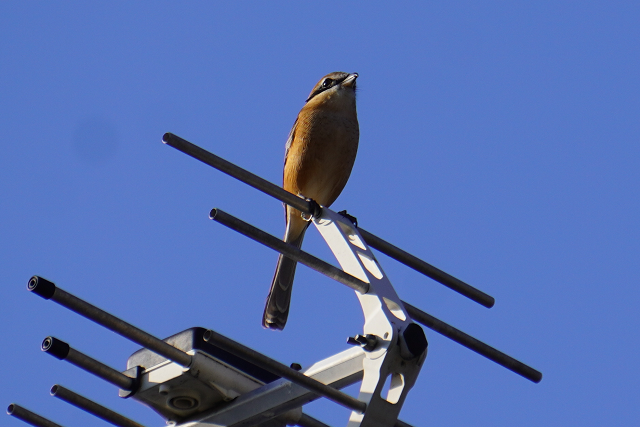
200 378
61 350
354 283
288 250
309 208
92 407
172 390
29 417
473 344
285 371
48 290
427 269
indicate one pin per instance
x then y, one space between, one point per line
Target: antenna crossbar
416 314
29 417
49 290
309 207
63 351
92 407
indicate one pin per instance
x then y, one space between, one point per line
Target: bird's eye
327 83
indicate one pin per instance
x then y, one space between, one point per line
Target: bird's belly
321 167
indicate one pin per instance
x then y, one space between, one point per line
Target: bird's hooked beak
350 80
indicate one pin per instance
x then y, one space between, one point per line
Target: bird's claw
316 210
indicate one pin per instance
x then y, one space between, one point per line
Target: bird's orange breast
322 153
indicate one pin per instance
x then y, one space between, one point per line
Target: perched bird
319 156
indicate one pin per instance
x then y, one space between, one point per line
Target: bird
319 156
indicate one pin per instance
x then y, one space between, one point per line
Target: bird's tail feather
276 310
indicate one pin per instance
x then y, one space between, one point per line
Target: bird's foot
316 210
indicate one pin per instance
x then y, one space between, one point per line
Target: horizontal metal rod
92 407
472 343
237 172
48 290
29 417
284 371
63 351
418 315
307 207
427 269
289 250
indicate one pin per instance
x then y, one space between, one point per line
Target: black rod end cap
55 347
42 287
167 137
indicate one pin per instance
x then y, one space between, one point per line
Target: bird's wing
292 135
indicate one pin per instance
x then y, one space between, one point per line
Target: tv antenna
200 378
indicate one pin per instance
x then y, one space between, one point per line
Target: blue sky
499 141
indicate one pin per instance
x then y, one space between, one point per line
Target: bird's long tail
276 310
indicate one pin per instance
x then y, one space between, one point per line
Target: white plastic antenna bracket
385 318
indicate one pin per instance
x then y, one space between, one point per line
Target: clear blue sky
499 142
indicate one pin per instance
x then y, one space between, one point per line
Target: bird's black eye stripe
328 83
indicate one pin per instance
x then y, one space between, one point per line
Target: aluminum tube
63 351
284 371
472 344
48 290
427 269
237 172
339 275
289 250
29 417
101 370
92 407
308 207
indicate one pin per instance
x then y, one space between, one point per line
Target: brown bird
319 156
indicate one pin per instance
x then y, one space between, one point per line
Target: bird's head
336 85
